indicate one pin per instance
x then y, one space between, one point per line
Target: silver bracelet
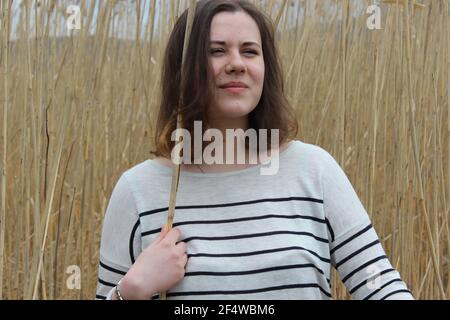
118 290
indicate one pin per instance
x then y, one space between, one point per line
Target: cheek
258 71
216 69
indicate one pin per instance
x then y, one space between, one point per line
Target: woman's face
237 61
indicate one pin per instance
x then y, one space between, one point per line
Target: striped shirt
252 236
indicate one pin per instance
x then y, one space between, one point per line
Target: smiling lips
234 87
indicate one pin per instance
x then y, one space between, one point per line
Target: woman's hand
158 268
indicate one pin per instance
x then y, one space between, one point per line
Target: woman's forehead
234 26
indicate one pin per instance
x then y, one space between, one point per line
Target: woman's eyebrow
245 44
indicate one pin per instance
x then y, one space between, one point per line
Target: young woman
238 234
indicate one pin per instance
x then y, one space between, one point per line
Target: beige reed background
77 111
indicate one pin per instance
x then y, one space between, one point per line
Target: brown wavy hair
273 110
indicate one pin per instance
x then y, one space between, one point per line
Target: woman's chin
234 112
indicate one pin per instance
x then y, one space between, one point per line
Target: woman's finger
181 247
162 234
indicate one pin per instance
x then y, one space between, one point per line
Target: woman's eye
213 51
251 52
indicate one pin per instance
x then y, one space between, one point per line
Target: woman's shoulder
308 159
150 168
309 152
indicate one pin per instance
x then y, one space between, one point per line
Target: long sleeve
120 241
355 249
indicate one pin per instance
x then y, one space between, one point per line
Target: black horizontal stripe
97 296
357 252
380 288
231 204
239 273
268 216
394 292
351 238
355 288
111 269
147 213
251 253
228 292
256 235
362 267
109 284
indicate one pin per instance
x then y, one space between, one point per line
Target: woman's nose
236 64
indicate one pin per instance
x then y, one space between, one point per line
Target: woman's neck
227 123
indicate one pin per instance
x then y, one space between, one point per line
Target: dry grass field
78 108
